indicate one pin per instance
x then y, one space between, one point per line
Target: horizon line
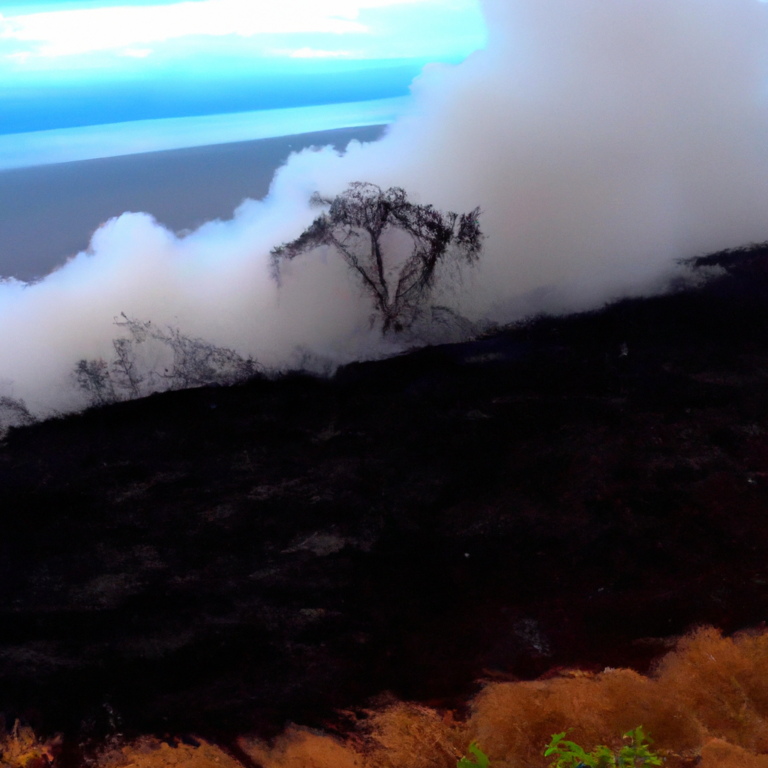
63 145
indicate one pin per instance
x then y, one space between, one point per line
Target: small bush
149 752
153 359
514 720
723 682
302 748
414 736
717 753
633 755
21 748
13 413
478 760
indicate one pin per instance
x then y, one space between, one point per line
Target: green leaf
481 762
633 755
556 739
603 757
638 752
482 758
575 749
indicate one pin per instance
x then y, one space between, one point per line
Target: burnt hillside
222 560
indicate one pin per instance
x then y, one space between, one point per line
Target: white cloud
19 57
137 53
58 33
313 53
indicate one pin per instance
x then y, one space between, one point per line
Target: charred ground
223 560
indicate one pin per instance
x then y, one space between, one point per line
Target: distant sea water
71 159
199 169
75 154
63 145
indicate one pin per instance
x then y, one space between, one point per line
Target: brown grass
21 748
717 753
408 734
514 721
302 748
706 704
706 701
708 687
723 682
149 752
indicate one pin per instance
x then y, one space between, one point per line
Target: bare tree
197 363
124 368
192 362
13 413
92 376
355 225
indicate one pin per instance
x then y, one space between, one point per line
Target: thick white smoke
603 139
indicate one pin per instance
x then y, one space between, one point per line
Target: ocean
69 144
48 212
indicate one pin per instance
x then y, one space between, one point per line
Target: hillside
573 491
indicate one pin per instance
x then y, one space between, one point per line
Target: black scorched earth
223 560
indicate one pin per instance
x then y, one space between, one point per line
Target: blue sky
83 62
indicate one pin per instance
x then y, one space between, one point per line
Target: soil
219 561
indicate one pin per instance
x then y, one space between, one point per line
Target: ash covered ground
219 561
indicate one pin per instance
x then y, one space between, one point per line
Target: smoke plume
603 140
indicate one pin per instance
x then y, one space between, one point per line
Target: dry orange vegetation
705 703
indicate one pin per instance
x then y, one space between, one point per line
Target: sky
78 62
603 140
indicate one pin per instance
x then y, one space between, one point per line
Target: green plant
480 761
570 755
